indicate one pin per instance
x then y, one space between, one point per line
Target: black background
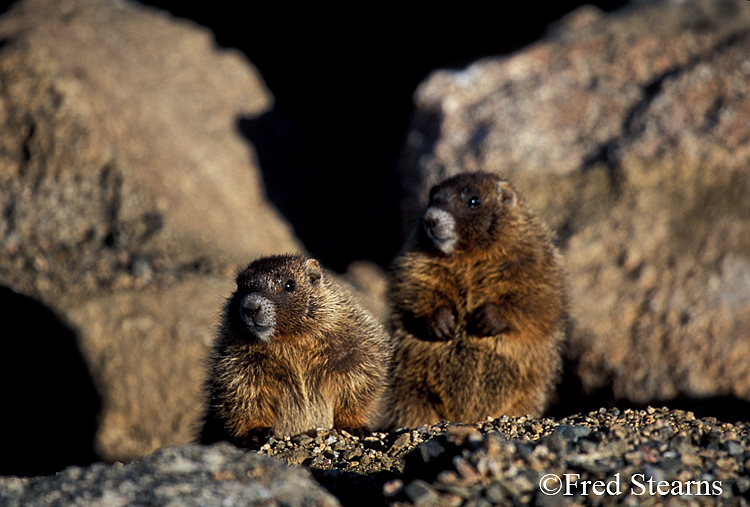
343 82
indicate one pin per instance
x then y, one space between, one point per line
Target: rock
127 197
185 475
505 461
421 493
150 371
124 132
564 436
628 467
629 133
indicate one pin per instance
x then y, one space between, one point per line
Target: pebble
501 461
421 493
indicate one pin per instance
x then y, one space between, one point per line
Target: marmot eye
289 286
473 202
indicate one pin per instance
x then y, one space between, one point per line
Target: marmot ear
507 194
313 270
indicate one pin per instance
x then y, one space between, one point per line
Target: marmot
478 308
294 353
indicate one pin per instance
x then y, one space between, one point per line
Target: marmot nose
430 218
250 306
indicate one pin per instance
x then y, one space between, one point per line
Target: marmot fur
478 308
294 352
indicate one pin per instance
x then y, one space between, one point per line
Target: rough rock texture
502 461
630 133
150 385
648 457
186 476
121 125
642 457
127 198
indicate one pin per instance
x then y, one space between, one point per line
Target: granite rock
189 475
629 133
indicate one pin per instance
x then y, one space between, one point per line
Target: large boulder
630 133
189 475
121 139
639 455
128 196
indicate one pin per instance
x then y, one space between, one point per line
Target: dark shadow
353 489
5 5
725 408
341 210
572 398
50 405
342 86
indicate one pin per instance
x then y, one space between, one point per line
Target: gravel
606 457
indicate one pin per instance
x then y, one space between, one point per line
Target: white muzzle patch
440 227
259 315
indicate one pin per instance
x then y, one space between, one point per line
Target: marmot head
467 212
276 297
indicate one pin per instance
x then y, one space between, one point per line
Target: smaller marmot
294 353
478 308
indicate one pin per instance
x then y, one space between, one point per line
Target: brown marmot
478 308
294 353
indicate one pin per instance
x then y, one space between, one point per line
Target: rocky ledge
606 457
